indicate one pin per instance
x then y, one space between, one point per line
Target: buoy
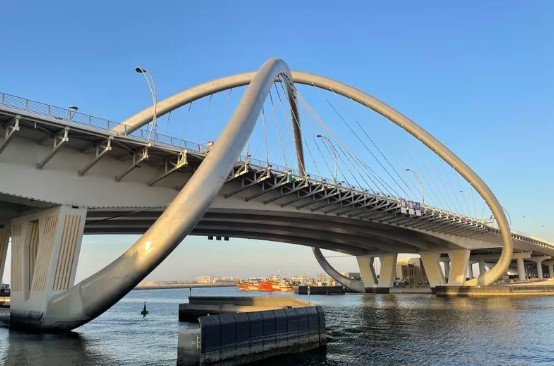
144 311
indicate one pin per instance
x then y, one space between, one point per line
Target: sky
477 75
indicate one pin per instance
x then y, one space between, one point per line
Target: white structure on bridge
65 174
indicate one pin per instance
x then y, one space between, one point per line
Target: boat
265 286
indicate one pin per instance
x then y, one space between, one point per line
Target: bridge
65 174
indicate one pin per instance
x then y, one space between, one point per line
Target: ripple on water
362 330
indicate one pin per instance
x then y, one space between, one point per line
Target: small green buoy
144 311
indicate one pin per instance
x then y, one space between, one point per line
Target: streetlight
420 184
334 154
152 85
71 108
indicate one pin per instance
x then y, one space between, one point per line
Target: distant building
411 271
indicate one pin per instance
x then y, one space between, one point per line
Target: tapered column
367 270
446 265
45 251
551 270
470 270
431 264
521 269
482 268
4 240
387 273
459 260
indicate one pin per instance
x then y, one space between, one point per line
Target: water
362 330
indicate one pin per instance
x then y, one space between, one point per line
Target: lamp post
420 184
332 148
153 91
70 109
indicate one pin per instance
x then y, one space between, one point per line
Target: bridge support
4 241
353 285
470 274
550 265
367 270
45 251
387 272
456 267
459 261
521 269
482 268
431 264
538 261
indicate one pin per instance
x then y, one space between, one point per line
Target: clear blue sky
477 75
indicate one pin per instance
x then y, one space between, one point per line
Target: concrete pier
211 305
238 338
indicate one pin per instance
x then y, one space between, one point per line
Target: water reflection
361 330
50 349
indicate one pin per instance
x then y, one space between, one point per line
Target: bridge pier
521 269
455 268
538 261
367 270
550 265
45 251
459 261
387 272
431 264
482 267
4 241
446 266
470 270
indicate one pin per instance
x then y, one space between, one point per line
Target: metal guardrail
67 115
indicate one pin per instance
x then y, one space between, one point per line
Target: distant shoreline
192 285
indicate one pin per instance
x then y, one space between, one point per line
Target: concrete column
459 260
367 270
521 269
446 265
432 268
551 270
45 251
539 270
387 273
470 270
538 261
482 268
4 240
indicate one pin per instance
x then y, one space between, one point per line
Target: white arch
94 295
370 102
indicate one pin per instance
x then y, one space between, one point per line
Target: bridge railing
69 116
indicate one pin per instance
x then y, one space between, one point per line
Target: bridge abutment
45 252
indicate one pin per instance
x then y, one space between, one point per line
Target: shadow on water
49 349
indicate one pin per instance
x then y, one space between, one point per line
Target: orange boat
266 286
